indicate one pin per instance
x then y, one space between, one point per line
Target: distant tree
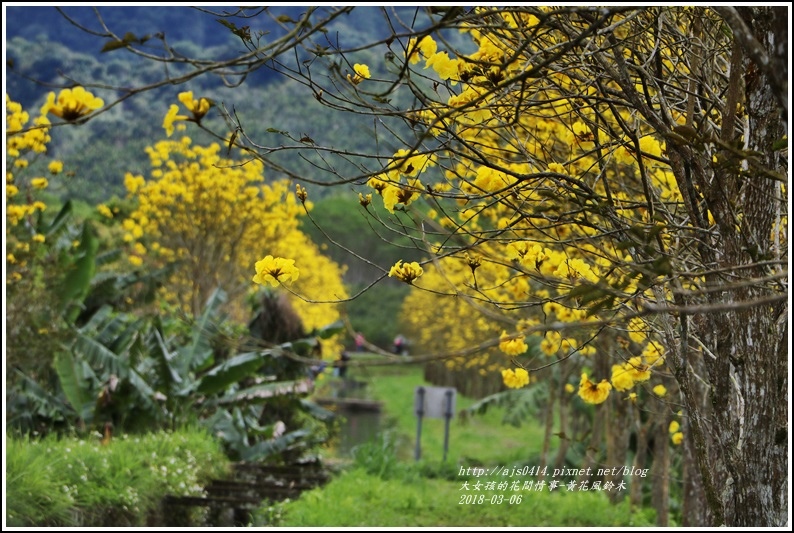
214 218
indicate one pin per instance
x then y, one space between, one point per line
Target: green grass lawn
386 487
480 440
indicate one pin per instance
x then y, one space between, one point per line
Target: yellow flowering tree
215 219
49 260
592 182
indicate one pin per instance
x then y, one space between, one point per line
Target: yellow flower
407 272
397 195
592 393
362 73
556 167
637 330
364 200
632 397
275 270
569 388
104 211
551 343
515 379
677 438
660 390
621 378
512 346
639 371
427 46
171 117
135 260
652 353
198 107
674 426
11 259
71 104
38 238
362 70
443 65
11 190
55 167
39 183
300 192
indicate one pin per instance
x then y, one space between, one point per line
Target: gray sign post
433 402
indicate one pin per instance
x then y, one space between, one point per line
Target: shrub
75 482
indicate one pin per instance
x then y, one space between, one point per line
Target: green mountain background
46 49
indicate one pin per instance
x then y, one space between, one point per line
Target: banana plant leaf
231 371
264 449
76 387
264 392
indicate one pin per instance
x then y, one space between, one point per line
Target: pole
447 418
419 408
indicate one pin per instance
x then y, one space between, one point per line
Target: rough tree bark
745 348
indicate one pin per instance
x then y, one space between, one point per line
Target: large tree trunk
660 473
742 447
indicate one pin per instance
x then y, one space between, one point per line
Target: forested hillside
42 45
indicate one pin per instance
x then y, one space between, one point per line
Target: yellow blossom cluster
625 376
515 379
407 272
275 271
676 436
215 220
197 107
593 393
26 142
361 74
71 104
512 345
533 197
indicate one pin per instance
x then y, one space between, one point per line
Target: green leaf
99 356
267 448
198 355
222 425
37 401
60 219
230 371
144 390
320 413
326 332
168 372
78 280
108 257
264 392
74 385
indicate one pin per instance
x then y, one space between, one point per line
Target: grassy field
386 487
480 440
